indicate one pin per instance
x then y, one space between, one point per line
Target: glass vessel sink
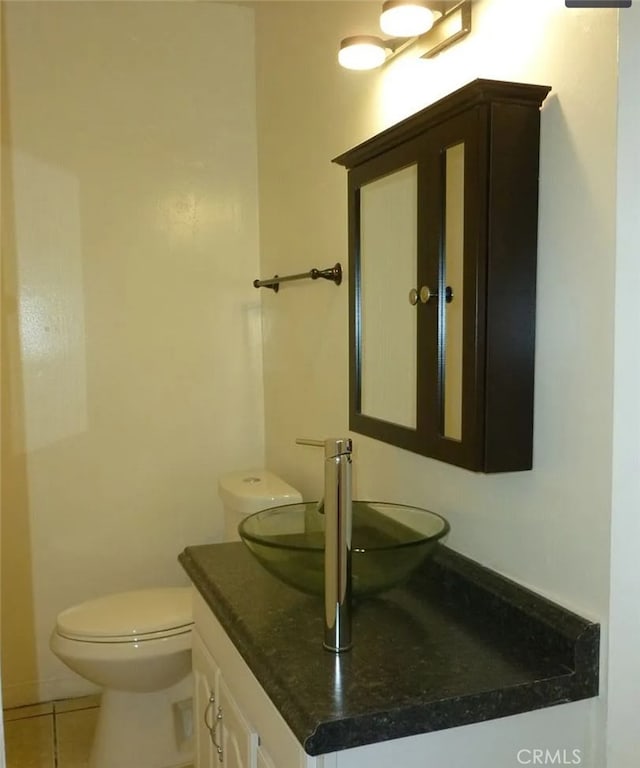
389 541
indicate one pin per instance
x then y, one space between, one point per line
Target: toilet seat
127 617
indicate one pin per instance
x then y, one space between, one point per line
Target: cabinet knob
425 294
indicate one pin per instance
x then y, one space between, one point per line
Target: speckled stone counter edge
485 596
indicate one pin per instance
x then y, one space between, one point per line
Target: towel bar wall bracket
331 273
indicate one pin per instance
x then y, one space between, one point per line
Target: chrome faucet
337 508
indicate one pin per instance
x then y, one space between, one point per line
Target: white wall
624 659
548 528
130 241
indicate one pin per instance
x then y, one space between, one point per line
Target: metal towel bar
331 273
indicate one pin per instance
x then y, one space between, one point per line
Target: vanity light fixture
362 52
437 25
406 18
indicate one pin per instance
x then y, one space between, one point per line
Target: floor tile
32 710
74 732
71 705
29 742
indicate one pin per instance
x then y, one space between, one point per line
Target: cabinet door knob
422 295
425 294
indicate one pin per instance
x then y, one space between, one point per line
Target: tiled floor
53 735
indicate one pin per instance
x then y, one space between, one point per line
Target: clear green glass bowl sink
389 541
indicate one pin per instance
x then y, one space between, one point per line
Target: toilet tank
246 492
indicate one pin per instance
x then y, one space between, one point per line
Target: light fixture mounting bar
452 26
447 30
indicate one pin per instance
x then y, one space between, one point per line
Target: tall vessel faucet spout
338 511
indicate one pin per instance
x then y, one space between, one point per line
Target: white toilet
137 646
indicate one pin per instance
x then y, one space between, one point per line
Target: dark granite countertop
458 644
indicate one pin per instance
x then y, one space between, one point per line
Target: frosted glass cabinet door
388 229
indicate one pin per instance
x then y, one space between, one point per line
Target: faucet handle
333 446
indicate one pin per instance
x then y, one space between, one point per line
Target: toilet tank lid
249 491
128 614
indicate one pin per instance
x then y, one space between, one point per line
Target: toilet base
145 730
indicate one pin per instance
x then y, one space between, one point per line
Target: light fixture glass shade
406 18
361 52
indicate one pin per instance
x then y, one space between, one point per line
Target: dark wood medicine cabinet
443 220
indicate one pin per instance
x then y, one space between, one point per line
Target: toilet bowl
132 641
137 646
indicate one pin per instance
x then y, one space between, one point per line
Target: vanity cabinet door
205 676
239 743
264 761
224 739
